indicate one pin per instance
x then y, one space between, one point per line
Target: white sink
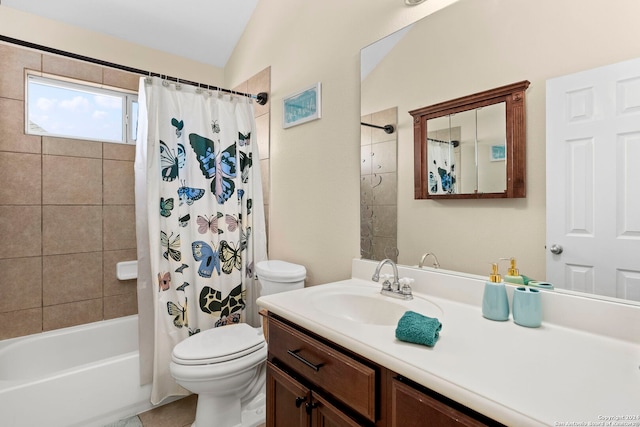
364 304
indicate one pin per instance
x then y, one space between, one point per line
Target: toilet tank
279 276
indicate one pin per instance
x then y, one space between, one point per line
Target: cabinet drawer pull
310 406
295 354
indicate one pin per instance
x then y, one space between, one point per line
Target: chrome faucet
436 264
376 274
396 291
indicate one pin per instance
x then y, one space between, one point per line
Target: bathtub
86 375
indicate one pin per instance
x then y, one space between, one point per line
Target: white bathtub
85 376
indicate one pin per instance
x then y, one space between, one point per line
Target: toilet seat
218 345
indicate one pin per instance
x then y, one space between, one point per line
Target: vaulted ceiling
203 30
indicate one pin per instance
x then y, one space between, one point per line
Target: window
82 110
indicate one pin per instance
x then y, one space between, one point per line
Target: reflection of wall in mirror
496 43
491 132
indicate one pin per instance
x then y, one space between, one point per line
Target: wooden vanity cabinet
312 383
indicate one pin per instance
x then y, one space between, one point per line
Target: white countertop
553 375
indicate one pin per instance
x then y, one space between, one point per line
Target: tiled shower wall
261 82
66 210
67 213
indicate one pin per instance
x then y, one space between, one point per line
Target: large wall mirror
472 147
467 48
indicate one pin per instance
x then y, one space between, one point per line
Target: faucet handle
386 281
406 282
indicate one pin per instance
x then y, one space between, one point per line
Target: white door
593 181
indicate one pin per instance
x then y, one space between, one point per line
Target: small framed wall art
302 107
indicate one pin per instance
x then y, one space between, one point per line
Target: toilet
226 366
279 276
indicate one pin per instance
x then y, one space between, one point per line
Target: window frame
128 98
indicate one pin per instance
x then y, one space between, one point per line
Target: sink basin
366 305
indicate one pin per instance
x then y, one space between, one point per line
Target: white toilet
225 366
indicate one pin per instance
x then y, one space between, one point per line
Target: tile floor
129 422
180 413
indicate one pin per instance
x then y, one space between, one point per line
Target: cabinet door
412 408
286 400
325 414
340 376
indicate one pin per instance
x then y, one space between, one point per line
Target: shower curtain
199 219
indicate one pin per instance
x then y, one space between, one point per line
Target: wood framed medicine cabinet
509 102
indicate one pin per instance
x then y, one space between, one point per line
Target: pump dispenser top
513 271
495 276
513 275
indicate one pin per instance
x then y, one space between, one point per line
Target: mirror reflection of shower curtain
442 168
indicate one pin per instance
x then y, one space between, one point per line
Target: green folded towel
419 329
526 279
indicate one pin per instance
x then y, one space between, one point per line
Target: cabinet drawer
327 369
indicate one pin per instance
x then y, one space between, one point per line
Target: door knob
556 249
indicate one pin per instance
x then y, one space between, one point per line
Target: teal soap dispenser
495 304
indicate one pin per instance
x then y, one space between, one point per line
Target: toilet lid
218 345
280 271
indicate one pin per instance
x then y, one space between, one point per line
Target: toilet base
214 411
223 412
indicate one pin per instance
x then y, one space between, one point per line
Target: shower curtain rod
454 142
386 128
261 98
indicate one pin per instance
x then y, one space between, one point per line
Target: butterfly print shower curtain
199 217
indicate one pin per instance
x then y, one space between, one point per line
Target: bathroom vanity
334 359
311 381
